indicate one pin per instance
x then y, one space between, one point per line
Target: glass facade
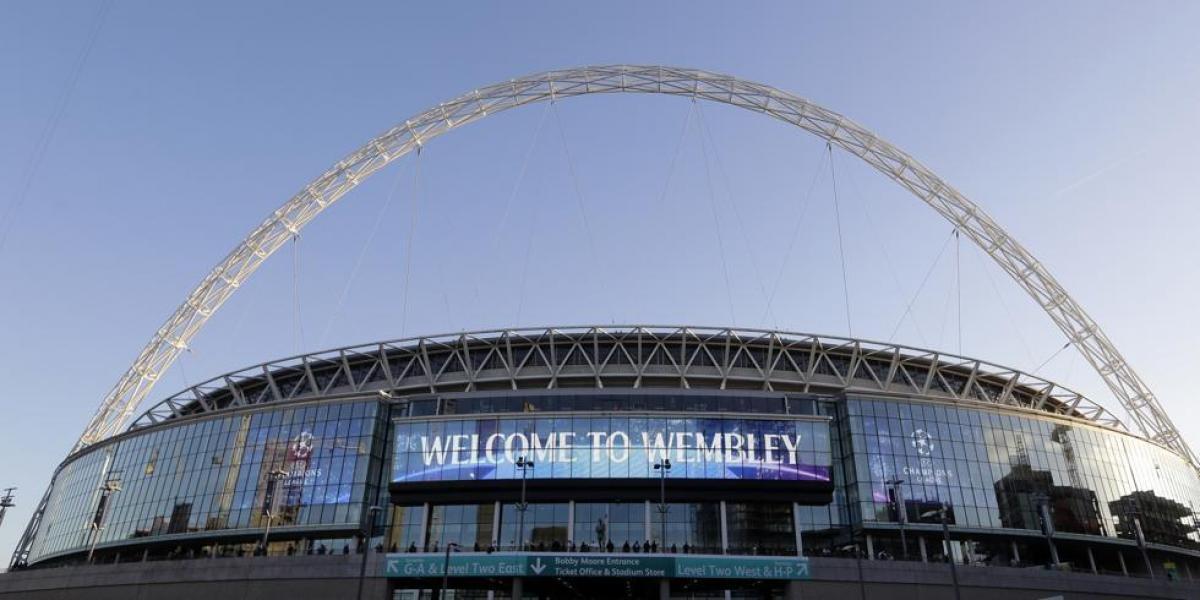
299 466
544 525
693 527
309 470
598 523
997 470
468 525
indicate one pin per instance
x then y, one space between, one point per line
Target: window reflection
998 470
217 474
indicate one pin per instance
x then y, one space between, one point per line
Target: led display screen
588 447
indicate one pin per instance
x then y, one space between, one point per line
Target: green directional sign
740 567
461 565
588 564
601 565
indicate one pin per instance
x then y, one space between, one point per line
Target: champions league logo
302 446
926 471
922 442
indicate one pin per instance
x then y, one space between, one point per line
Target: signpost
588 564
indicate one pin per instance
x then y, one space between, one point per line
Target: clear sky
129 169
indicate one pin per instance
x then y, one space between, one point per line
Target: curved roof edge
626 356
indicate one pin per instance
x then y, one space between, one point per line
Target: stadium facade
780 446
634 461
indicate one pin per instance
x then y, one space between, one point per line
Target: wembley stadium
620 461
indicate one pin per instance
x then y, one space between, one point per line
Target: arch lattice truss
1133 393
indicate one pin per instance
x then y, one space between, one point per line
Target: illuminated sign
611 447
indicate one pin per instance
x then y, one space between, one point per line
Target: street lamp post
525 466
445 571
269 503
901 513
368 526
662 468
107 489
941 512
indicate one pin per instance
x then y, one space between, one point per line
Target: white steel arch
173 336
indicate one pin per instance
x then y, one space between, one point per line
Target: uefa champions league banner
611 447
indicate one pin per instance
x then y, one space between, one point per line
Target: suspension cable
494 243
297 315
362 253
841 247
876 234
787 255
712 205
924 280
687 122
706 134
187 384
1051 357
945 314
408 244
42 146
529 238
579 201
958 285
440 274
1004 305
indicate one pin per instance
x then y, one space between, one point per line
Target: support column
649 526
518 588
1121 559
870 547
570 523
924 552
497 539
1092 560
796 525
664 589
1016 552
724 534
424 530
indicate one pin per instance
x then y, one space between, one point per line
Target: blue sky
1073 124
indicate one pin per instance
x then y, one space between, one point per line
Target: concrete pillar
570 522
664 589
424 529
1121 558
518 588
870 547
924 551
497 541
649 526
724 535
796 525
1016 552
1092 560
